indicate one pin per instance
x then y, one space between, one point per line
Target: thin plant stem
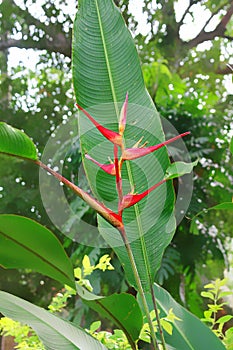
157 317
139 285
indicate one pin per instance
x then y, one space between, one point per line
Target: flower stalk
139 286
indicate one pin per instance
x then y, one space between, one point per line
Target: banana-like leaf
189 333
26 244
55 333
127 317
16 143
105 67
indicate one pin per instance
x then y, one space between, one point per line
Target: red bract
134 153
122 122
131 199
115 217
108 168
112 136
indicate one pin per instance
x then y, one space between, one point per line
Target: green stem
215 313
157 317
139 285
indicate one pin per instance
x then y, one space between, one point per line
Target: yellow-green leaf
87 268
166 326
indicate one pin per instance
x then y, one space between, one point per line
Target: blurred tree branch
219 31
58 43
226 70
192 2
54 38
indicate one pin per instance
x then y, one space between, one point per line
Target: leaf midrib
40 257
136 208
107 58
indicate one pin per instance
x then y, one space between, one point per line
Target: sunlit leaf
207 295
224 319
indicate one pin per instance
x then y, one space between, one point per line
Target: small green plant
116 340
216 294
87 269
166 323
59 301
24 336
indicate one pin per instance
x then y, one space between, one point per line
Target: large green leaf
189 333
16 143
26 244
55 333
105 67
122 309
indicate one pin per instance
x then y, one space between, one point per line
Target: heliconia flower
131 199
108 168
134 153
122 121
112 136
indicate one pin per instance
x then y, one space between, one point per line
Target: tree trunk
7 343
